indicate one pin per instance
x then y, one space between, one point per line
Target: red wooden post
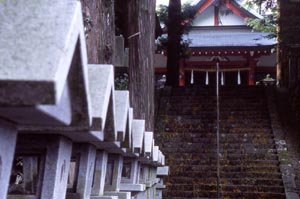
252 64
181 73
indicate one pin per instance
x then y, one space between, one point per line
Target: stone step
231 138
249 169
241 134
227 182
224 182
187 180
226 188
213 161
252 181
174 194
252 195
248 156
213 173
224 106
228 147
230 175
184 148
228 109
225 156
228 168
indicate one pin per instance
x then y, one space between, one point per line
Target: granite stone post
100 173
8 135
56 168
86 169
116 173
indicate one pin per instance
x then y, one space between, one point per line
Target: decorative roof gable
234 5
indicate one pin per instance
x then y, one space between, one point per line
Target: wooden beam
160 70
236 10
216 15
205 5
212 63
231 69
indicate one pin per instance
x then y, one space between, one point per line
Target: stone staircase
249 166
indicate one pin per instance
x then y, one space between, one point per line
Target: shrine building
220 34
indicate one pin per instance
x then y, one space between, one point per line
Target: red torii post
252 65
181 73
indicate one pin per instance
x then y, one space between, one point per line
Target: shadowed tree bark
174 38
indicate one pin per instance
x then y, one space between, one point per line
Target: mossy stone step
174 194
252 195
251 181
248 156
230 175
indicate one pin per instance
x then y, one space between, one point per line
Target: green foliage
162 13
267 24
262 6
121 81
269 11
289 20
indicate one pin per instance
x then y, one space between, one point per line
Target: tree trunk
141 35
99 22
174 38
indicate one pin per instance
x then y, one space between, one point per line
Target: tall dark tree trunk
141 39
99 22
174 37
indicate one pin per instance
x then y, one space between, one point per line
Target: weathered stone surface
292 195
155 153
130 171
8 135
140 195
102 99
104 197
113 182
56 169
133 187
148 140
122 106
121 195
100 173
163 171
57 114
86 169
138 131
128 136
35 61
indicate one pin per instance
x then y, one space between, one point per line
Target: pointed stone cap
122 106
148 140
101 86
138 131
37 43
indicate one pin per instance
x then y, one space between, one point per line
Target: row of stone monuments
65 132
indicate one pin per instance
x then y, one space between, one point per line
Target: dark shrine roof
229 39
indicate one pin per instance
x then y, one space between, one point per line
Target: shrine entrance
208 78
204 72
